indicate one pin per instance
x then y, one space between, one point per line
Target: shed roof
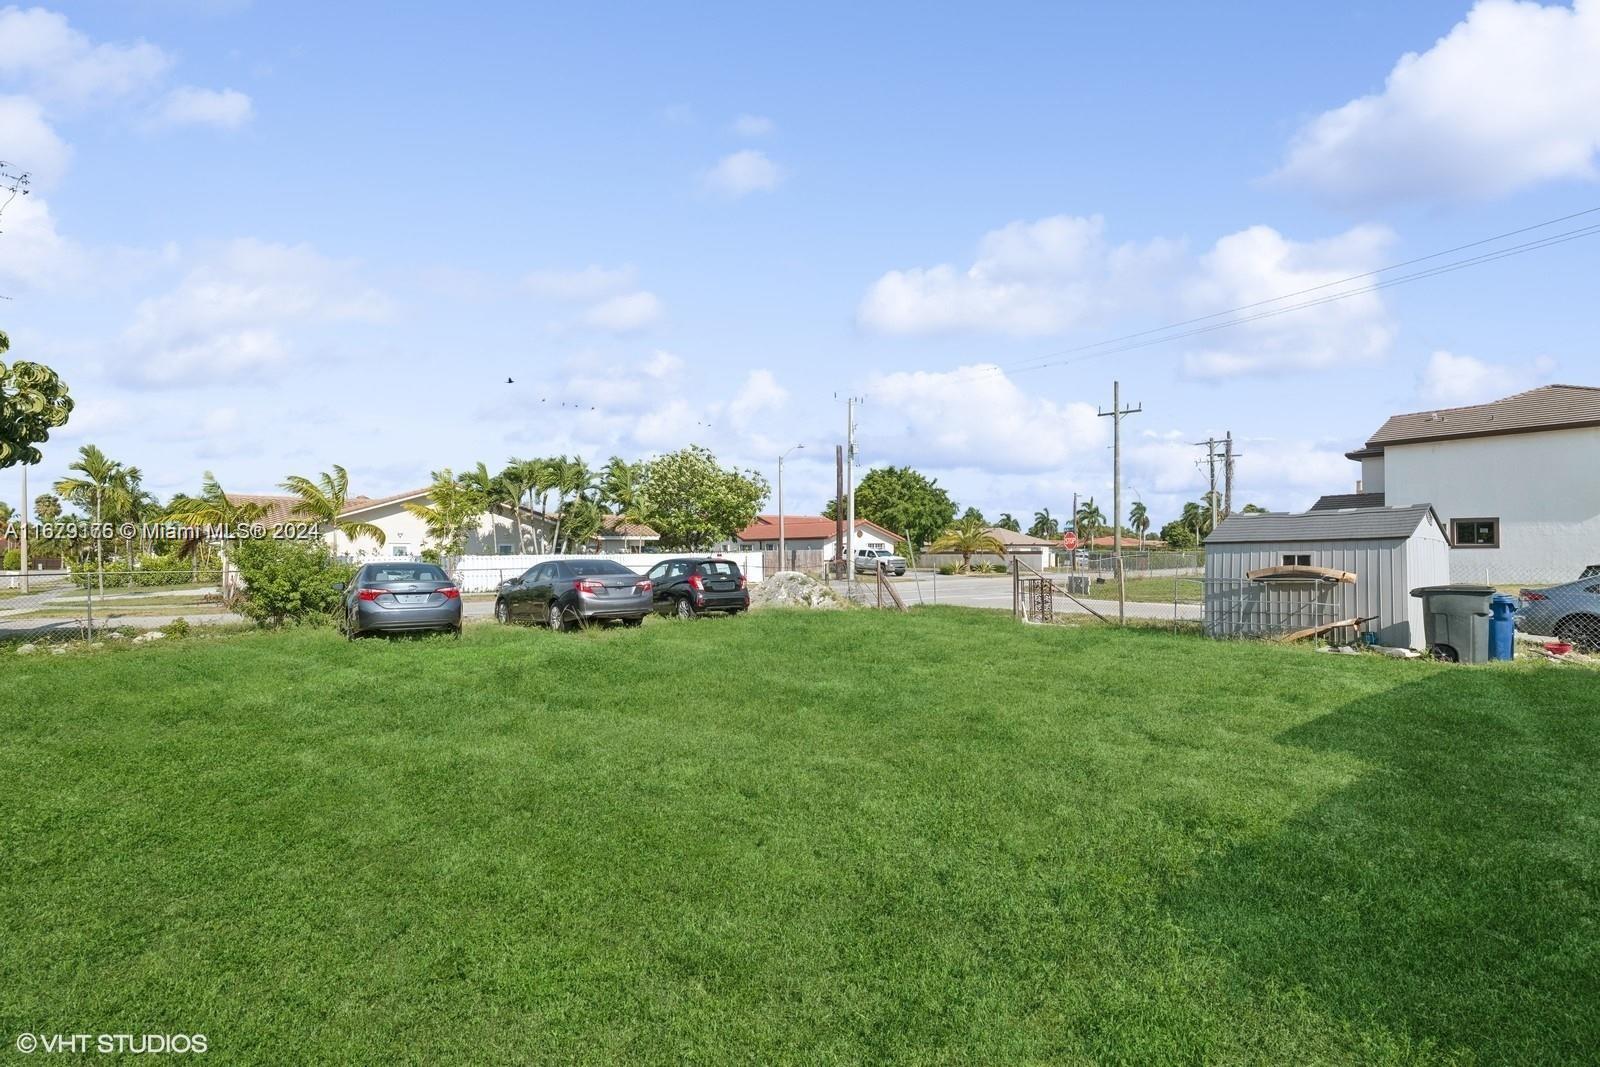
1352 524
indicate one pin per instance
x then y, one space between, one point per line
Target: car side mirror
338 587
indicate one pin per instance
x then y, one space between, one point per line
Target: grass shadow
1450 896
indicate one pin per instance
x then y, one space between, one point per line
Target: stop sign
1069 540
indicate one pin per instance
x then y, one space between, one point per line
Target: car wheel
685 610
1582 632
556 618
502 613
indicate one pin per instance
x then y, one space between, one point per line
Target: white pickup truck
869 559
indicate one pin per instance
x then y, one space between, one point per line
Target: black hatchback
687 586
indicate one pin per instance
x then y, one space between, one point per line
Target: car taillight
696 583
645 586
1528 594
369 594
450 592
741 581
588 585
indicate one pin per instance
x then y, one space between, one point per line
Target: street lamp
782 553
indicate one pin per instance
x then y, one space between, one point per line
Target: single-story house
1514 481
807 535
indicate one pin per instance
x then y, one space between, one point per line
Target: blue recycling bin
1502 626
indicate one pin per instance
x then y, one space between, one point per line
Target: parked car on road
574 592
868 560
400 597
688 586
1569 612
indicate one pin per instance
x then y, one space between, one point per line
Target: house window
1291 560
401 551
505 550
1475 533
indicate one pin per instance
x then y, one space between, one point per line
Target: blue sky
266 238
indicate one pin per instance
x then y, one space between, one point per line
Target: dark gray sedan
401 597
1569 613
566 592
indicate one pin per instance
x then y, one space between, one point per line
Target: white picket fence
483 574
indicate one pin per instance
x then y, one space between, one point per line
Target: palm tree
1139 518
46 507
1089 515
546 475
323 502
516 482
1044 524
969 537
6 511
480 481
127 501
99 474
619 486
572 479
453 507
1007 521
211 508
583 520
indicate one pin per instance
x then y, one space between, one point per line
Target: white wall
406 535
482 573
1372 474
1543 487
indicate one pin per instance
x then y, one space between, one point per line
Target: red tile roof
804 527
617 526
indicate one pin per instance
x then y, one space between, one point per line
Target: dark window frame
1494 524
1296 559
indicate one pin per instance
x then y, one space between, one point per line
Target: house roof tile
1354 524
804 528
1550 407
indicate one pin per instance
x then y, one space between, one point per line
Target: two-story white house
1516 481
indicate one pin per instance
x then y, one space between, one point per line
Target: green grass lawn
832 837
1152 590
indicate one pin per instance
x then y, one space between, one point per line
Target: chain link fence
81 603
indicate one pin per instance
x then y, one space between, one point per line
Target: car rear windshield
719 568
585 567
405 572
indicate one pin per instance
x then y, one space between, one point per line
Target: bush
288 581
12 561
949 568
178 627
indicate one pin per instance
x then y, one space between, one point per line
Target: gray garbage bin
1456 621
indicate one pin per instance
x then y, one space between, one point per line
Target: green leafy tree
47 507
97 476
1008 521
1253 509
969 537
974 513
323 502
487 486
583 518
1139 519
517 482
902 500
694 503
453 506
211 508
288 581
33 401
7 513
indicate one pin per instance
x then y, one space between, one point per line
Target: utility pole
850 487
1115 414
1229 455
783 556
1212 455
1072 520
838 505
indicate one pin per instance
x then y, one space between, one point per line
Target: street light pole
782 551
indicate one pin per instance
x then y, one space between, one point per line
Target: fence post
1016 600
88 609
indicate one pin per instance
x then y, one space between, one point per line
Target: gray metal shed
1390 550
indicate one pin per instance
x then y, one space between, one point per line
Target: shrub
178 627
288 581
12 561
949 568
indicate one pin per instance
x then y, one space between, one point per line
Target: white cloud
28 142
753 126
1449 380
188 106
1260 264
1508 98
974 416
743 172
760 394
1029 279
32 253
56 63
662 364
234 316
627 313
587 283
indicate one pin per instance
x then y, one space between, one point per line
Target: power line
1131 341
